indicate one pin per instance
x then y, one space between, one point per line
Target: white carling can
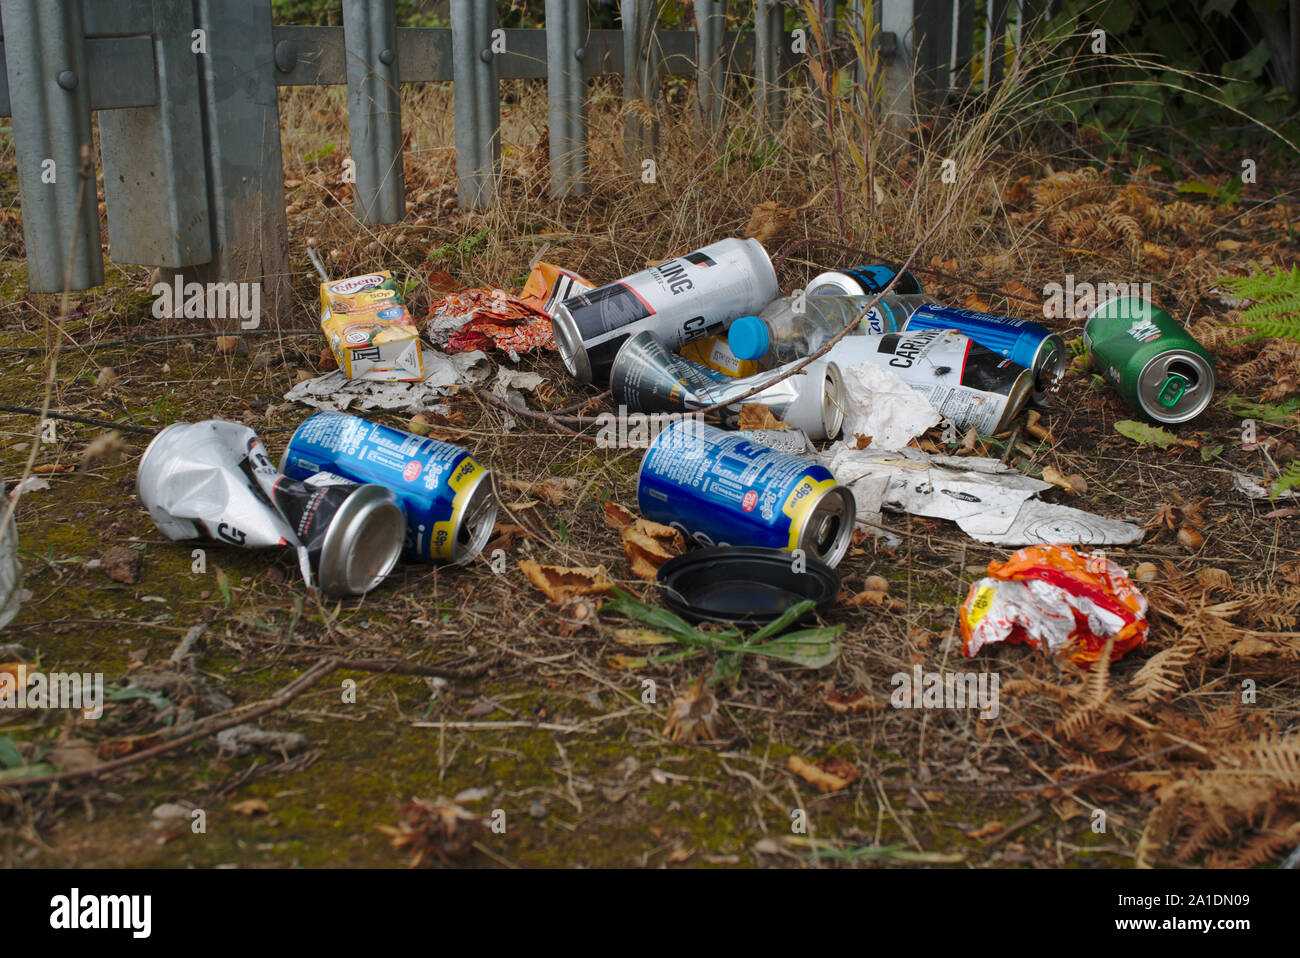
679 300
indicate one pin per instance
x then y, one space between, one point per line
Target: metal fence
186 92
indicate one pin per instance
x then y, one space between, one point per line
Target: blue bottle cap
748 338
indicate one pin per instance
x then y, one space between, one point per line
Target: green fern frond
1264 284
1273 306
1289 479
1275 314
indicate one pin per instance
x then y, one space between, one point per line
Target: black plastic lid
743 584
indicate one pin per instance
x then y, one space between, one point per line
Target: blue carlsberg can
721 488
446 495
1022 341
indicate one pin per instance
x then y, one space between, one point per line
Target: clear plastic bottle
781 335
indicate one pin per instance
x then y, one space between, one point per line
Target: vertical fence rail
155 189
50 103
374 110
476 96
640 80
995 43
566 92
241 123
710 22
769 33
933 38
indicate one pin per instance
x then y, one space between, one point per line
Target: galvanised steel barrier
186 92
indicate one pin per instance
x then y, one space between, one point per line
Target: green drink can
1162 372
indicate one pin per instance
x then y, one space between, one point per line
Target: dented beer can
721 488
447 496
679 300
1162 372
214 479
967 384
646 377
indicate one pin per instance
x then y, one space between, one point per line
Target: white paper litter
793 442
12 593
334 391
988 500
1253 488
508 385
30 484
880 405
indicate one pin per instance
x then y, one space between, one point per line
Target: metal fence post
769 33
241 123
995 43
49 95
640 81
963 44
566 93
476 95
155 187
710 22
374 110
932 38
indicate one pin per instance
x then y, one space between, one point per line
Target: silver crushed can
646 377
679 300
214 479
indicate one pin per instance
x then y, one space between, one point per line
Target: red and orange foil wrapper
513 324
1058 600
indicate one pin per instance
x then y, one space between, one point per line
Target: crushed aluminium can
721 488
447 496
1161 371
214 479
1022 341
646 377
967 384
862 281
679 300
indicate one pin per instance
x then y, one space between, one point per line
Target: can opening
828 530
1181 367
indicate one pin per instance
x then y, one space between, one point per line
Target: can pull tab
1172 391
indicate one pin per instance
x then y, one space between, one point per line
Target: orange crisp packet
1055 599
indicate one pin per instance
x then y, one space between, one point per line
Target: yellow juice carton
370 331
712 351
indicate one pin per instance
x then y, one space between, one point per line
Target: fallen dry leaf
1146 572
552 490
1036 429
104 449
973 301
251 806
560 584
1075 485
758 416
648 545
693 715
618 516
873 598
984 831
852 704
768 220
639 637
504 536
860 441
825 780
